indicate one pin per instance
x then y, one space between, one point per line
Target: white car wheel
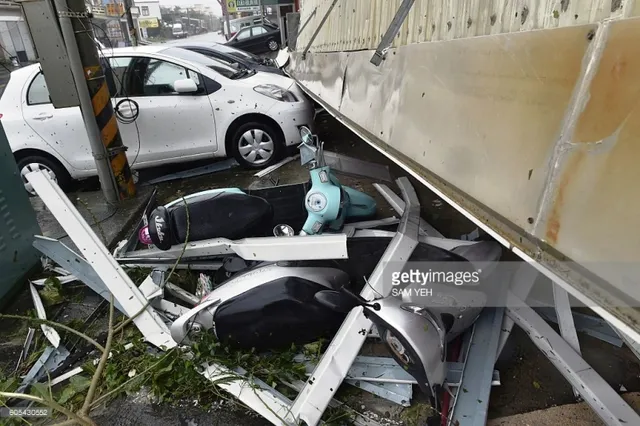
256 147
33 167
55 170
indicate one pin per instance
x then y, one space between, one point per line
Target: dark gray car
230 54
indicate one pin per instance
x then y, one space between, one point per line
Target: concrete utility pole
108 150
133 33
188 21
261 11
225 11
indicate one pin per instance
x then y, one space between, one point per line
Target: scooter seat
223 215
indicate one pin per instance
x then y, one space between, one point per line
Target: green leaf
536 385
166 369
40 389
67 393
8 385
80 383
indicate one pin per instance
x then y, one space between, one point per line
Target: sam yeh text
419 292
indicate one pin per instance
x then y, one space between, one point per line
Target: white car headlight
275 92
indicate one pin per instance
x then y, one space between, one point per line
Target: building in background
150 18
15 37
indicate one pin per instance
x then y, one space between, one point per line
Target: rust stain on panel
595 211
615 90
553 221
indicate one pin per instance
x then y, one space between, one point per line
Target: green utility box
18 224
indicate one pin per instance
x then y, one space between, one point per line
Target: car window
258 31
215 64
244 34
160 76
119 68
38 93
140 76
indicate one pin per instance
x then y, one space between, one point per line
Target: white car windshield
236 52
220 67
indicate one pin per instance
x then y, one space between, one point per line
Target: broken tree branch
84 412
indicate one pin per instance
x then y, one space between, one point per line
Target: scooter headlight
316 201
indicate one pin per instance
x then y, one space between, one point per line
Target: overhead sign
247 4
148 23
232 6
115 9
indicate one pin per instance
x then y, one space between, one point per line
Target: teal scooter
328 203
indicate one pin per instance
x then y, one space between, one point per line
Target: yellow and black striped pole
103 112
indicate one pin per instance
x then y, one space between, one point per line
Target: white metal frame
94 251
271 249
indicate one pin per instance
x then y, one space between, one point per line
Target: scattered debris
50 359
204 286
471 236
353 166
48 331
24 354
64 279
198 171
271 169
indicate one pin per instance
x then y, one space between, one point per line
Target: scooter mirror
283 231
305 135
335 301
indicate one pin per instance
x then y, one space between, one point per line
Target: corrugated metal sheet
360 24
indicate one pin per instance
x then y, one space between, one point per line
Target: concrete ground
110 223
570 414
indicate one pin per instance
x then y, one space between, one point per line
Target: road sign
232 6
245 5
148 23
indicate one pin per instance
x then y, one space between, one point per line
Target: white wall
154 9
15 36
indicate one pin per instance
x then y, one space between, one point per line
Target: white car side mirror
185 86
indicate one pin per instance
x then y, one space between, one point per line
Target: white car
172 105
